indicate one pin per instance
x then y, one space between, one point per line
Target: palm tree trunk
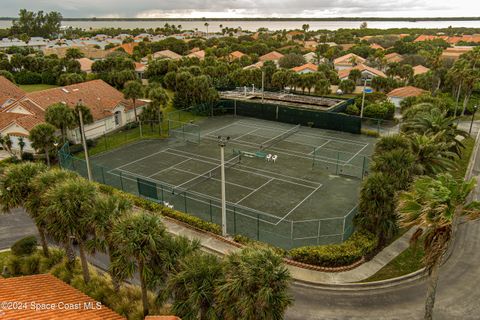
47 155
83 260
70 255
465 102
431 291
143 285
43 241
135 109
115 281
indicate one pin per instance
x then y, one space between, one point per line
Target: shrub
28 156
384 110
28 77
359 245
24 246
371 133
352 110
30 265
347 86
250 242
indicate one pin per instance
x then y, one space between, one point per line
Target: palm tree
400 164
133 90
35 203
206 24
60 116
433 204
138 237
254 287
109 209
69 203
16 189
435 121
193 287
42 137
391 142
432 153
377 207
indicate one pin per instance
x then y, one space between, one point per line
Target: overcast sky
247 8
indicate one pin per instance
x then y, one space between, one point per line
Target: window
118 118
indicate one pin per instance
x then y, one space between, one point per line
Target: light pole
84 140
222 142
263 83
363 97
473 118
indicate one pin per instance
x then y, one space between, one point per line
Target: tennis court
308 195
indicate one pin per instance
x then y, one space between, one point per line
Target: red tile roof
376 46
451 40
361 67
393 57
455 52
197 54
408 91
8 91
420 70
346 59
85 64
162 318
274 55
65 302
236 55
128 47
309 66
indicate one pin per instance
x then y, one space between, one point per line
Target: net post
105 140
234 220
103 175
185 201
161 192
121 181
363 166
258 227
336 165
318 231
313 157
291 233
210 207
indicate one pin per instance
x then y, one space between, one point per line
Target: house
310 45
455 52
128 47
140 69
420 70
109 109
235 55
312 57
52 299
271 56
366 71
397 95
166 54
9 92
293 34
393 57
197 54
85 64
306 68
376 46
451 40
347 61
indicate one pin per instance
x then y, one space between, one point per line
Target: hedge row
360 244
167 212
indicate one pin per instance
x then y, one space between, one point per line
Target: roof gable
9 91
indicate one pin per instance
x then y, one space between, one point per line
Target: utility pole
263 83
222 142
363 98
84 140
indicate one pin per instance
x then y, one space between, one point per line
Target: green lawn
407 262
36 87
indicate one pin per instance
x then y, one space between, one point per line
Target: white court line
316 148
227 182
307 135
143 158
278 150
224 127
250 132
272 174
254 191
188 159
299 204
356 154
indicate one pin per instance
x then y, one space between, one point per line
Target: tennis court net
187 185
269 143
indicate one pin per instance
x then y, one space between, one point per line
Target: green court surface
307 196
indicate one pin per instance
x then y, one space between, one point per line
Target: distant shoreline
270 19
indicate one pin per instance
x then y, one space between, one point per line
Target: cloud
245 8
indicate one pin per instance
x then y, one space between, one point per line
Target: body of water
271 25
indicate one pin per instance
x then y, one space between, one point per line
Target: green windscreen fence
282 113
147 188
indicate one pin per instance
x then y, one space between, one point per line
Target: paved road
458 293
